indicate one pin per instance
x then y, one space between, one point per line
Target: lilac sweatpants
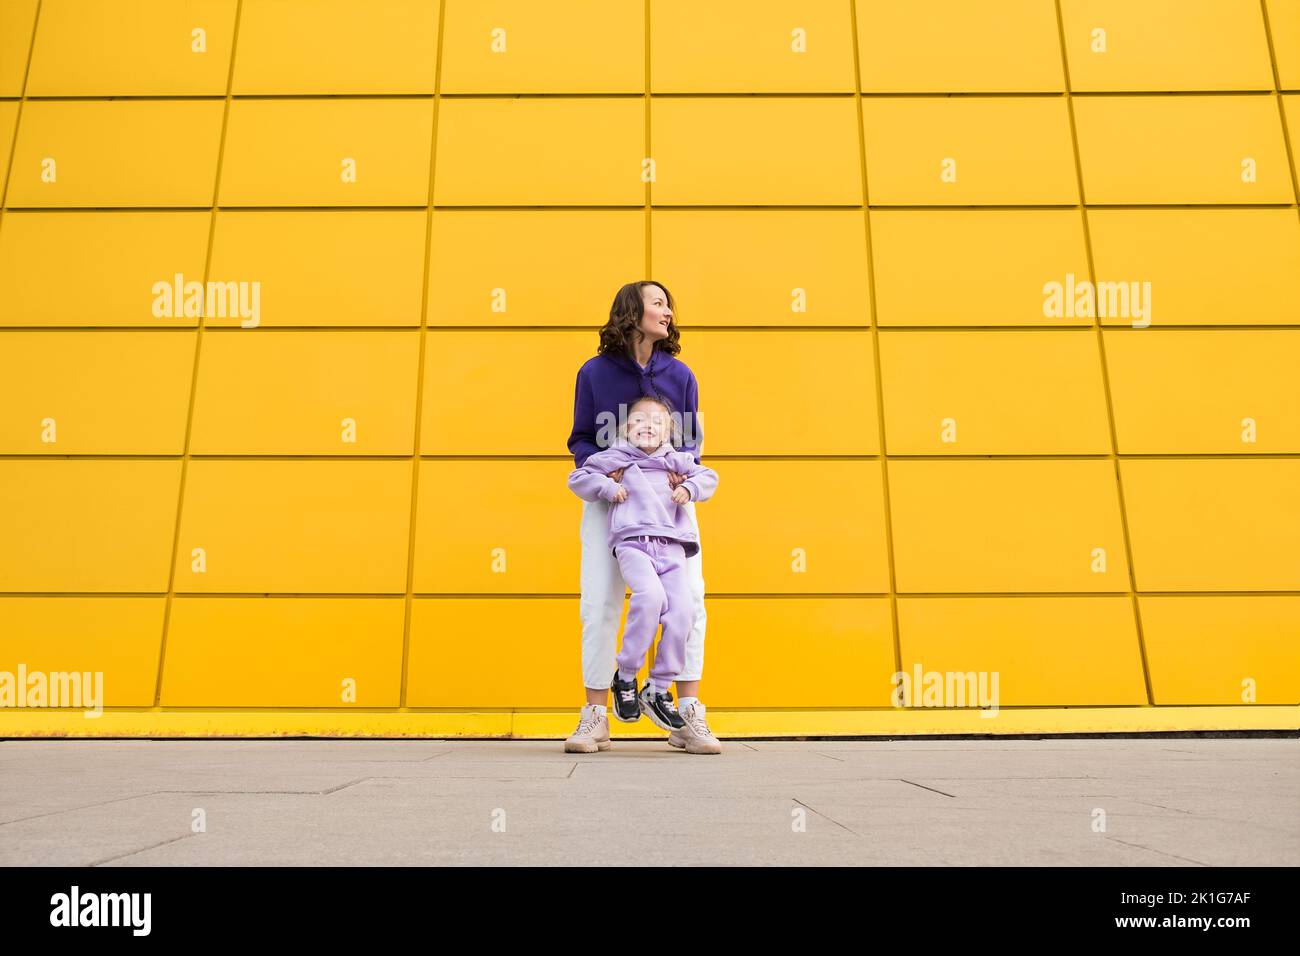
655 571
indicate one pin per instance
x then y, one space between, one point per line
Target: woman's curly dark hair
618 335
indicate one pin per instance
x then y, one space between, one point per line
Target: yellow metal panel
822 403
467 540
763 151
1205 266
1284 26
8 125
996 526
1182 149
953 46
993 393
17 18
516 151
330 152
969 151
87 525
533 151
451 664
1229 392
827 535
353 267
797 266
1214 524
116 637
472 383
1291 113
99 268
520 46
476 277
106 153
141 48
295 526
336 46
973 267
284 652
1223 649
1166 45
306 393
743 46
94 393
1042 651
845 647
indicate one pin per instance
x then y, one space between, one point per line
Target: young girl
651 535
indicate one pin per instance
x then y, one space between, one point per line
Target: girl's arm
701 480
591 481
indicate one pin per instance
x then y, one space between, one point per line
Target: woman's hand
681 495
674 480
620 495
617 474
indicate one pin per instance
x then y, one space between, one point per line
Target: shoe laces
588 721
627 694
695 717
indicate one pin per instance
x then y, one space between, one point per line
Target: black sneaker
660 708
626 707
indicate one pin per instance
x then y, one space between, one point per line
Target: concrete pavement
1079 802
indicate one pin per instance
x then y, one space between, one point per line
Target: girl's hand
674 480
617 474
620 495
681 495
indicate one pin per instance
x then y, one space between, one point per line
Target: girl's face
657 315
648 426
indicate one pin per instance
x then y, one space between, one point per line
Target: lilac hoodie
649 507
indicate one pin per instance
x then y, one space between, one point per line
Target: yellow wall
1169 157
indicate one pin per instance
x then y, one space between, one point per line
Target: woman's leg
688 682
601 603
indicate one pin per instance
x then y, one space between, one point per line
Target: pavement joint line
441 753
825 817
1161 806
143 849
1152 850
924 787
829 757
87 806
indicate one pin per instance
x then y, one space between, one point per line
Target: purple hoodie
649 507
608 384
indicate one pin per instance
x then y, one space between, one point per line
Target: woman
635 358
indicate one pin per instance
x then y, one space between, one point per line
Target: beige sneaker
592 733
695 737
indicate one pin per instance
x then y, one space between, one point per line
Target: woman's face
657 315
648 425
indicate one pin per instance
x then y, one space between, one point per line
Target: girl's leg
637 561
678 617
601 603
688 681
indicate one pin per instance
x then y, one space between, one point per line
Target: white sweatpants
601 604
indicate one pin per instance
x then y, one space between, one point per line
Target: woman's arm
582 440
